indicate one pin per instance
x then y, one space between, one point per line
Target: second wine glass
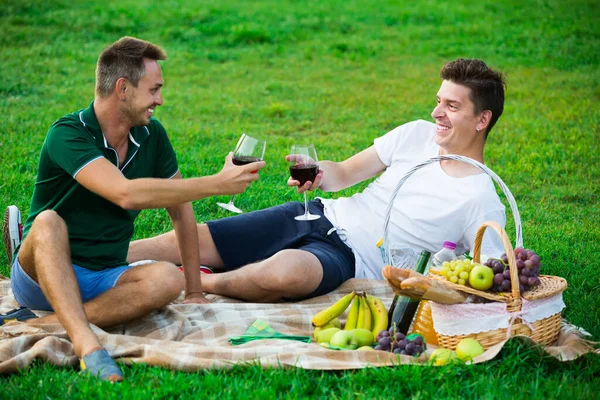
304 167
247 150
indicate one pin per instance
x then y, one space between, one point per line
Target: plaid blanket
189 337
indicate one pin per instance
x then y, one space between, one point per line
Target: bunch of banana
366 312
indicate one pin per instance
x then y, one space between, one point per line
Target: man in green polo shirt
98 168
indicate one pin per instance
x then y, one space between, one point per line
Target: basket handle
510 254
492 174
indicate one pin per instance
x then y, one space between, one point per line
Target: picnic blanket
189 337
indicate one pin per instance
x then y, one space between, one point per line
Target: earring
478 129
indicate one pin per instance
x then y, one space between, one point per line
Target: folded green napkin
262 330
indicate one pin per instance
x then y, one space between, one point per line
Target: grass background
338 74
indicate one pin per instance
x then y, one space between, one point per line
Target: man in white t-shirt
267 255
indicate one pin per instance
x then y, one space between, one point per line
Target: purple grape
400 336
504 258
535 260
498 269
532 281
402 343
506 274
528 264
523 279
410 348
404 352
505 287
521 288
520 264
418 341
529 253
398 351
526 271
384 333
498 279
418 350
378 337
518 250
378 347
395 345
384 342
523 256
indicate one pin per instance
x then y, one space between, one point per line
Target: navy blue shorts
255 236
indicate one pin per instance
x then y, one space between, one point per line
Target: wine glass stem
231 201
306 213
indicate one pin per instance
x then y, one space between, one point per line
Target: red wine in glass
243 160
247 150
304 167
304 172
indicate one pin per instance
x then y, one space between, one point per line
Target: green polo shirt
99 231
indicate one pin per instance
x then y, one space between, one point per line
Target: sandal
18 314
100 364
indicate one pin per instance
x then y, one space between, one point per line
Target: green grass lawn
338 74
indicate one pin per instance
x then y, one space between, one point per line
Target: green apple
344 339
326 334
443 356
481 277
364 337
328 325
468 348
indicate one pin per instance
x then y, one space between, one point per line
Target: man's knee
164 279
48 222
295 270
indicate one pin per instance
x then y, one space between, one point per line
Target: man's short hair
487 86
124 59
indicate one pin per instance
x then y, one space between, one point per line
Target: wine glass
247 150
304 167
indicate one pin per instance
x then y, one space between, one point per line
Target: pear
365 348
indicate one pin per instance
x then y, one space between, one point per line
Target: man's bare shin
45 257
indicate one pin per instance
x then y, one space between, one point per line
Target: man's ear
121 87
484 120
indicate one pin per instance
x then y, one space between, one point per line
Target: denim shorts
92 283
255 236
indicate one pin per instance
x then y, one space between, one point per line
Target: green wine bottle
403 309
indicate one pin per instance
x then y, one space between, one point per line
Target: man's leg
287 274
164 248
45 257
138 291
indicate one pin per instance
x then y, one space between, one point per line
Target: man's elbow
126 199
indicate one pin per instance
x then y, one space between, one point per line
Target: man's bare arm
104 179
186 232
335 176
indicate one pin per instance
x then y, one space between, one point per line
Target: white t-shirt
430 208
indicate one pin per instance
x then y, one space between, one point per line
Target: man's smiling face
144 98
455 118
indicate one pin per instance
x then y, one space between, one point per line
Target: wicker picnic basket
543 331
